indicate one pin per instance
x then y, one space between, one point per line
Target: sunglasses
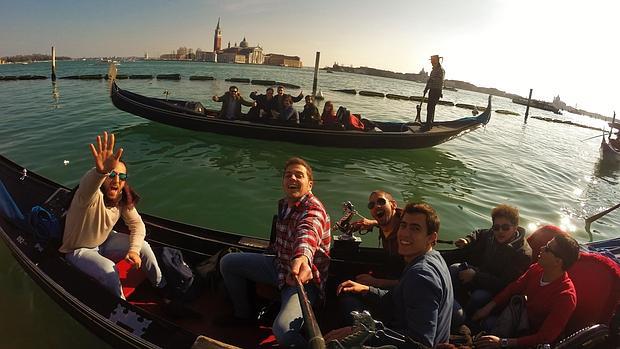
121 176
546 248
379 202
234 91
502 227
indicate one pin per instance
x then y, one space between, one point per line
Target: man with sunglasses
384 209
103 196
231 104
550 295
488 259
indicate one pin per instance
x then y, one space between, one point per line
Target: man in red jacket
551 296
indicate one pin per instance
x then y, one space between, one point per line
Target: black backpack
178 275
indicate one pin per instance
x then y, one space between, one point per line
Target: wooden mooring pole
527 109
53 64
316 72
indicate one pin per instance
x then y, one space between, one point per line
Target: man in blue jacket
420 305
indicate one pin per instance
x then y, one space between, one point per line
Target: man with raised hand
104 196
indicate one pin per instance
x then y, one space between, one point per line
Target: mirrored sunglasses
121 176
503 227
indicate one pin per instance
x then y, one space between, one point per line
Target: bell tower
217 38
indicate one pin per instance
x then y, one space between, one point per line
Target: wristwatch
503 343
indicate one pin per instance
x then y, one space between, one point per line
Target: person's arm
308 237
137 229
561 310
89 187
422 307
246 103
219 99
298 98
253 95
370 280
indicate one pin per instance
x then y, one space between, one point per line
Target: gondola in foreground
143 322
186 115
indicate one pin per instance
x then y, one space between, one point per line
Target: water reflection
606 169
55 96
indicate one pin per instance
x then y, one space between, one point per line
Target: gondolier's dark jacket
226 99
496 264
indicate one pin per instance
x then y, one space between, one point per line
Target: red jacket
549 307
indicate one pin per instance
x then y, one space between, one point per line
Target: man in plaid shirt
301 250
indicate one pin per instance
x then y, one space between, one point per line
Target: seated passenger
310 115
89 243
231 104
281 96
384 209
420 305
550 298
489 259
328 117
265 104
288 114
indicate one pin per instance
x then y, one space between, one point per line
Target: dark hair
432 220
233 86
280 87
288 98
384 193
511 213
299 161
567 250
269 88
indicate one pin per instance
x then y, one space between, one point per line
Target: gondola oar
591 219
315 340
601 135
418 109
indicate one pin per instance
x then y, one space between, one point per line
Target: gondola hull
392 135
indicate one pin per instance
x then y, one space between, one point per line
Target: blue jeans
239 268
100 262
478 298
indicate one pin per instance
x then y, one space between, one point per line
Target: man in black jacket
489 259
231 103
265 104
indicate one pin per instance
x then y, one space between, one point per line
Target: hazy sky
565 47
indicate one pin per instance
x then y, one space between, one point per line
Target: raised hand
105 158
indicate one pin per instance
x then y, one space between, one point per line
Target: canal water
546 169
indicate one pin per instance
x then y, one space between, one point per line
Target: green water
233 183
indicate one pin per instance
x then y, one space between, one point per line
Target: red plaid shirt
302 230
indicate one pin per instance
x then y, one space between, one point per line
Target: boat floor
212 304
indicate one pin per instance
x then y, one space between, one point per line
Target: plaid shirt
304 229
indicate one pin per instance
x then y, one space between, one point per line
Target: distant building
230 57
182 52
252 55
557 102
217 38
282 60
205 56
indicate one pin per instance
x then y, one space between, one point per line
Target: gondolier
434 87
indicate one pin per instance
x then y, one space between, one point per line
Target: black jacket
496 264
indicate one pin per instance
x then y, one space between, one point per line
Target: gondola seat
130 277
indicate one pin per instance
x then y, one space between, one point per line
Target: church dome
243 43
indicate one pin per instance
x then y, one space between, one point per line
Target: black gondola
384 135
140 321
610 147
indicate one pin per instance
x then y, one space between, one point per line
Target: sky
568 48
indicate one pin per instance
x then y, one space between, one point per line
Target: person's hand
460 243
301 93
338 333
487 342
105 159
134 259
214 98
300 268
363 224
367 279
467 275
254 104
351 287
483 312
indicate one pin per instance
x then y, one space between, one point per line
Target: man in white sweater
103 196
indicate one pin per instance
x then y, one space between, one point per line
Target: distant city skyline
555 47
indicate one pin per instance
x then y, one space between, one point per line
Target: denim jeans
239 268
100 262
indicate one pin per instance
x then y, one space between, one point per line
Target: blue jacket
423 300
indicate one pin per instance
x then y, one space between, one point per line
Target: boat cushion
130 277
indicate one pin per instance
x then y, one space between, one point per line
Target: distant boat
610 147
